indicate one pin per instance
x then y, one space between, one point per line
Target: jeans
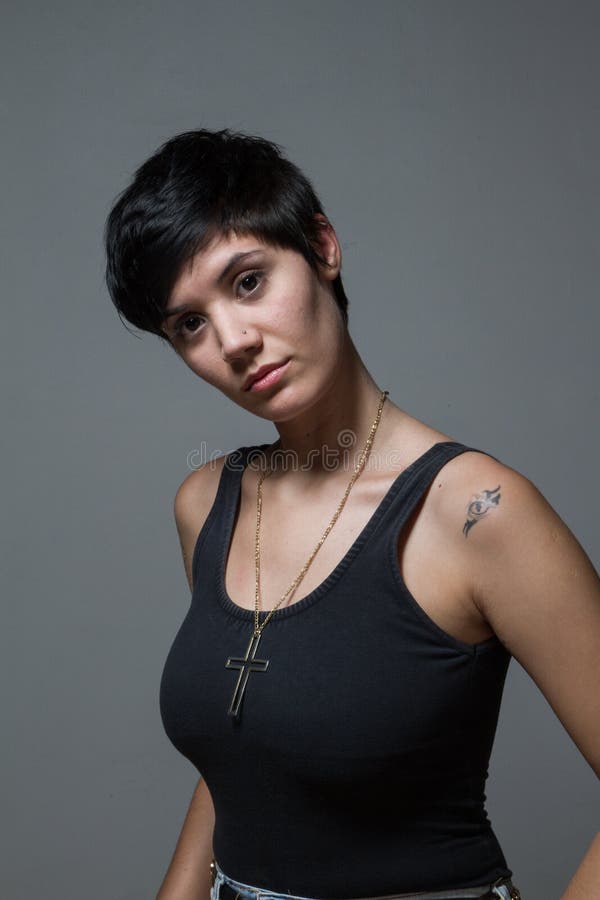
504 891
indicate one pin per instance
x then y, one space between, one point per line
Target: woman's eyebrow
236 258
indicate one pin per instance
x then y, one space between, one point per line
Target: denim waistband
502 889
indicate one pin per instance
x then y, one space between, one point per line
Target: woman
358 586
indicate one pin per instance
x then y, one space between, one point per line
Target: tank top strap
211 538
229 489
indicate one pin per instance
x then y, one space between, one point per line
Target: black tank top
358 764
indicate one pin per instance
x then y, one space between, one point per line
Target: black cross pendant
245 665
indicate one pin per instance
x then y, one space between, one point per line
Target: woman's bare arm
539 590
188 875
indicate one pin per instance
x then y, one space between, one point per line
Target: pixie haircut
197 186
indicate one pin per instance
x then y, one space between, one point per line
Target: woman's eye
249 282
181 327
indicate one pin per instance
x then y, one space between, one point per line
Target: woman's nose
235 340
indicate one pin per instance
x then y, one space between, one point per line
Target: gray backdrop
455 147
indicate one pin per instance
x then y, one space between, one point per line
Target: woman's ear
327 247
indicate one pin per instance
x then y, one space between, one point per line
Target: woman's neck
332 434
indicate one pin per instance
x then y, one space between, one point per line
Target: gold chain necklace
249 663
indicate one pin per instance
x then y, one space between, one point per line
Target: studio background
455 147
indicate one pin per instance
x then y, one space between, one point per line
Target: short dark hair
198 185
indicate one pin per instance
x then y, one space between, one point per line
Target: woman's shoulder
197 492
199 487
471 484
195 498
193 501
474 485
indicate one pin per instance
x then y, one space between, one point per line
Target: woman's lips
269 379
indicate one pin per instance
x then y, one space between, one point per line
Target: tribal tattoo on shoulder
479 505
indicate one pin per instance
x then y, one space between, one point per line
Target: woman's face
242 304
